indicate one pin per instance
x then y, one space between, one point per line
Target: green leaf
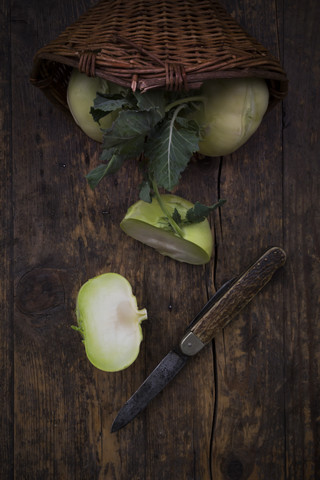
95 176
152 100
105 103
97 115
169 150
145 192
106 155
106 107
190 125
176 216
200 212
129 130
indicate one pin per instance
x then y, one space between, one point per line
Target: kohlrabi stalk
176 103
173 224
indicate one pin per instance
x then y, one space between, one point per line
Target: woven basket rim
123 59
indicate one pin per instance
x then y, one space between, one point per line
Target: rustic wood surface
247 407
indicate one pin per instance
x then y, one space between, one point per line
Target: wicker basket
146 44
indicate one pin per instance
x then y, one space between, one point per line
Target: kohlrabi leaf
97 115
187 124
145 192
96 175
152 100
106 155
169 150
129 131
176 216
200 212
106 103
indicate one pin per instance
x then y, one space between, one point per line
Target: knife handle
239 295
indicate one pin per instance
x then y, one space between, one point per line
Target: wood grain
301 232
248 440
6 249
247 406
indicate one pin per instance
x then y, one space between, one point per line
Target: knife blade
167 369
222 307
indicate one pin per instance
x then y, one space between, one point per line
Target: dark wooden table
247 407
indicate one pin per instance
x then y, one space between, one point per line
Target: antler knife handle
239 295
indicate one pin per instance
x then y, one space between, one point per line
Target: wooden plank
247 406
301 220
65 234
53 386
248 435
178 433
6 239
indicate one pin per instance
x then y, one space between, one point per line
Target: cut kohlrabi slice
109 322
147 223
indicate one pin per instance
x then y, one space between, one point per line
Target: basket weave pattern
145 44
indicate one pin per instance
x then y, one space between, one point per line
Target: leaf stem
196 98
173 224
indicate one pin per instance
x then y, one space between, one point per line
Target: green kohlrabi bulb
109 322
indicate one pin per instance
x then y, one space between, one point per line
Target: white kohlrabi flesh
81 92
232 111
109 322
146 222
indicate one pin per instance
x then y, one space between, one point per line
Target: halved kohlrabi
109 322
81 92
147 223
